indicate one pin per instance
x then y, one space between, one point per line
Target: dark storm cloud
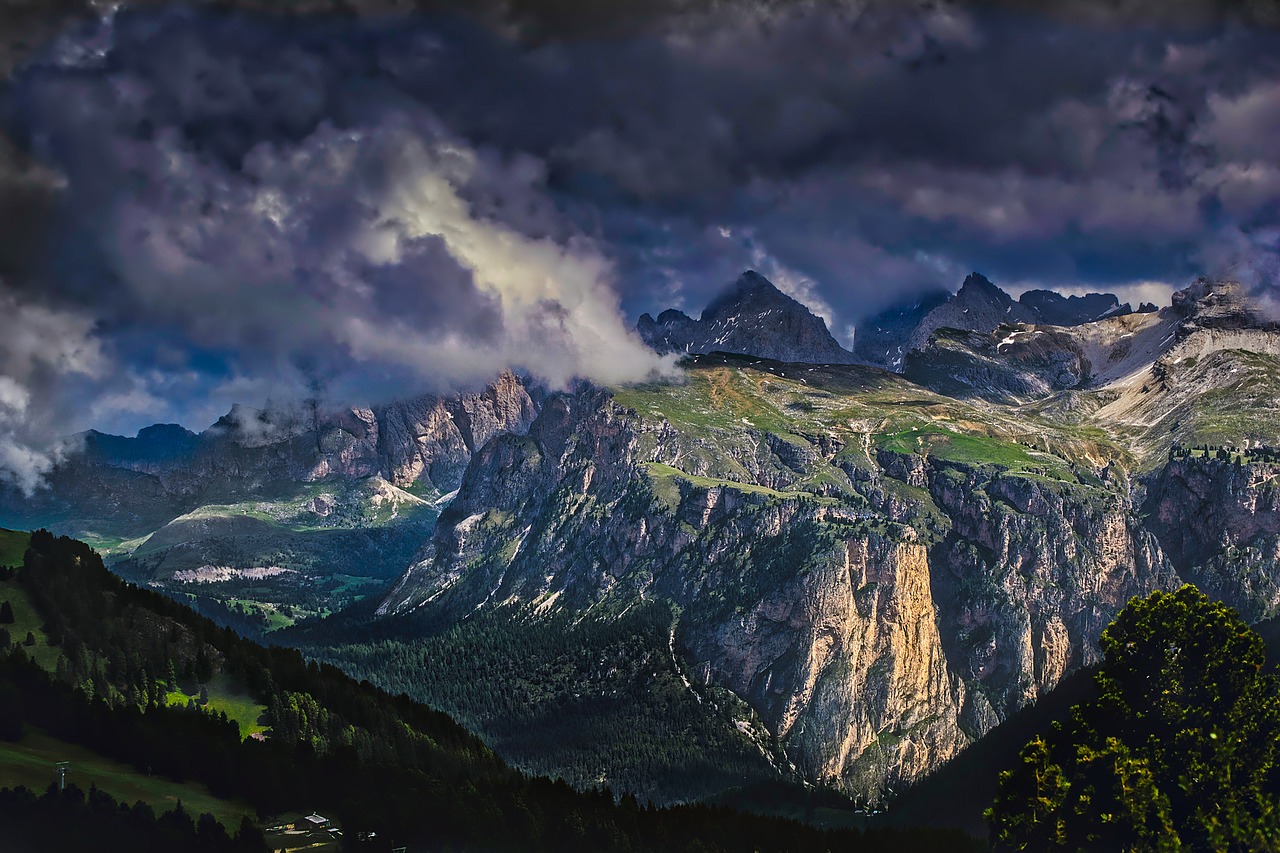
966 136
248 205
251 193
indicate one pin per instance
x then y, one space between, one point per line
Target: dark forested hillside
111 658
594 702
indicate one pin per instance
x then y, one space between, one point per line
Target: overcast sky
235 208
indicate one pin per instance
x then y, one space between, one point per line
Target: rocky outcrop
751 317
1219 304
431 439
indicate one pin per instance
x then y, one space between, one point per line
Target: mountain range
836 573
753 317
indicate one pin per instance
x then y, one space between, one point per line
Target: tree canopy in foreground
1179 751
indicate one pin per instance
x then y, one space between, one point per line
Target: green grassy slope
13 544
726 403
27 620
225 696
30 762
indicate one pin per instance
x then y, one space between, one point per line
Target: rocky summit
750 317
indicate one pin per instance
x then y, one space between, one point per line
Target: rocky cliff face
431 439
425 440
751 317
877 608
1219 522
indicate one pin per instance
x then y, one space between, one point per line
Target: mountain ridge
299 512
978 306
750 316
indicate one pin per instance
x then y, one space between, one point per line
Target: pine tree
6 613
203 666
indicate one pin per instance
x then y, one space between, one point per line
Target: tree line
1225 452
61 820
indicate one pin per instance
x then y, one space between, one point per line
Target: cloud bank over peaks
360 257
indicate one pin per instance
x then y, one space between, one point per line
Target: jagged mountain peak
976 283
1215 298
1054 309
165 432
156 444
750 316
751 292
978 290
673 314
978 306
1210 289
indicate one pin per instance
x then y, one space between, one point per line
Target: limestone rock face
431 439
1219 304
846 665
